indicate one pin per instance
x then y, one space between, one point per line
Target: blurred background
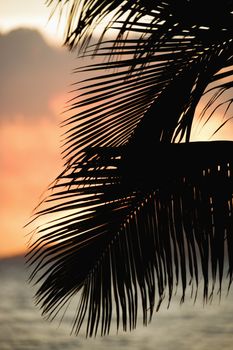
35 72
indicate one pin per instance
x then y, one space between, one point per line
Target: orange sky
30 160
29 144
30 139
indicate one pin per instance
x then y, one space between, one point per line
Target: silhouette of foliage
139 209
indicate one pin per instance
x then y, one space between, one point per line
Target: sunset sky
35 73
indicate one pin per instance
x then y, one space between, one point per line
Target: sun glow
217 127
30 162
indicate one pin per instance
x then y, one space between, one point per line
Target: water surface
181 327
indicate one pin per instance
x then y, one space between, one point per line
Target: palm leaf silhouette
136 212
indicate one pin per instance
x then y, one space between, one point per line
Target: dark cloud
31 72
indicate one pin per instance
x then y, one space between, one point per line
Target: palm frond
113 104
213 22
136 212
134 230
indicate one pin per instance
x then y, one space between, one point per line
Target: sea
187 326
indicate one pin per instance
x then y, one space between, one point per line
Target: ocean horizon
181 326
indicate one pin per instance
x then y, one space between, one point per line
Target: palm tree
139 209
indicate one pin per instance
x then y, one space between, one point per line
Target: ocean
180 327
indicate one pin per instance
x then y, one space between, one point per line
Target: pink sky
32 99
30 160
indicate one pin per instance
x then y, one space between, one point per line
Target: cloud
32 73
